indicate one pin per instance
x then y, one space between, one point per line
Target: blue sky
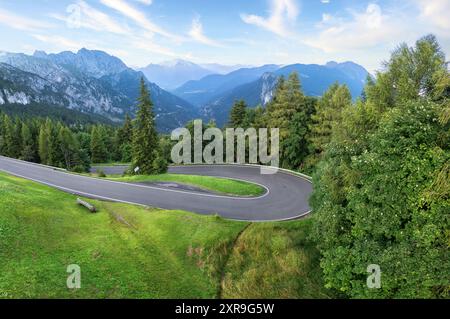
229 32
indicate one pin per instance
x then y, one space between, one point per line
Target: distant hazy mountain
210 87
172 74
351 69
315 80
216 68
88 81
259 92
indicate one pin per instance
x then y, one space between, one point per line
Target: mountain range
215 94
91 82
172 74
94 83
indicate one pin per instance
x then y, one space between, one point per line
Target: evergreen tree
28 152
288 112
124 141
69 148
11 147
238 114
328 114
44 141
289 100
296 145
55 156
3 145
99 151
15 138
256 117
145 137
125 133
84 156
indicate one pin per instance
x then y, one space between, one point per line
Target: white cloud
138 17
364 30
15 21
59 42
282 14
94 19
326 17
149 45
197 34
436 12
146 2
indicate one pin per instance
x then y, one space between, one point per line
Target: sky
251 32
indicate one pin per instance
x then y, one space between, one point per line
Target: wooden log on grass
91 208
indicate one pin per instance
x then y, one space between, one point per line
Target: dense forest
380 166
76 146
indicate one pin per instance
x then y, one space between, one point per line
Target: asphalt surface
286 194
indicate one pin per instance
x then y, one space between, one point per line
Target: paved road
286 196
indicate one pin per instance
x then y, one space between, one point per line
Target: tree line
304 122
75 147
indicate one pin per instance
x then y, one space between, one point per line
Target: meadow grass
214 184
124 251
128 251
274 260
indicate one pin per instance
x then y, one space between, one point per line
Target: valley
97 84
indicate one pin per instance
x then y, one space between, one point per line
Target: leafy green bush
101 173
381 192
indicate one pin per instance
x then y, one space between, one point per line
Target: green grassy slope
123 251
127 251
274 260
215 184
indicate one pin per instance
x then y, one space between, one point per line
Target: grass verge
218 185
274 260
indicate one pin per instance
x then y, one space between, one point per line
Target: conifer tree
69 148
289 100
99 151
28 151
124 140
145 137
328 113
238 114
288 112
3 145
44 140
